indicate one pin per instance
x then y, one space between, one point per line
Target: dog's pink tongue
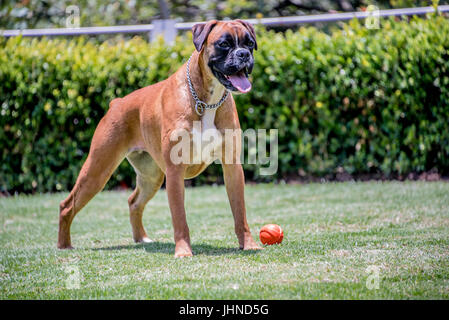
241 82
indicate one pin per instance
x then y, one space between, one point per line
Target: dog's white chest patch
207 140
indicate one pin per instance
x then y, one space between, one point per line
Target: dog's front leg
175 193
235 184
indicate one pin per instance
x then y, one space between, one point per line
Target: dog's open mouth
236 82
240 80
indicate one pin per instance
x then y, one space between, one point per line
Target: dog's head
228 49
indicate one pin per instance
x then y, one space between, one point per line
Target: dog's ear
200 32
250 29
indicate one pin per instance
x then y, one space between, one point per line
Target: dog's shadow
169 248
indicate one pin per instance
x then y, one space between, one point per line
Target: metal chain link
199 104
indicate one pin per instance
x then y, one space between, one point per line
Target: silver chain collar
199 104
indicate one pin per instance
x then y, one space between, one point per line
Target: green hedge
358 100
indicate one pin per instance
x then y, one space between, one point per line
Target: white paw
146 240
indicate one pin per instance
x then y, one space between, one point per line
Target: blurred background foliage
51 13
353 101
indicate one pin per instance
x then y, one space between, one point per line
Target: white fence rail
182 26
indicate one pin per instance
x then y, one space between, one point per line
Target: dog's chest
208 120
207 139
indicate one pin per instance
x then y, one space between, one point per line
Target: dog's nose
242 54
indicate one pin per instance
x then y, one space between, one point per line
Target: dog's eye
250 43
224 44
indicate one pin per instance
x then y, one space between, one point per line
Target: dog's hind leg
108 149
148 181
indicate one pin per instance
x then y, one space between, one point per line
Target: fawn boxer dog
139 127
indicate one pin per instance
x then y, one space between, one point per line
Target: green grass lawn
335 236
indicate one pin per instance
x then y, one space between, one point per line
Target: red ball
271 234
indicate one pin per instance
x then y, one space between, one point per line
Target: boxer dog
140 127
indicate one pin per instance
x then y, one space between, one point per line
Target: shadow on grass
169 248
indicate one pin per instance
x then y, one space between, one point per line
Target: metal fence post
166 28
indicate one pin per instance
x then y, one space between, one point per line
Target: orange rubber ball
271 234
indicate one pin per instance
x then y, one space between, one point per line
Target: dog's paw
255 247
251 245
183 254
65 247
145 240
183 249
